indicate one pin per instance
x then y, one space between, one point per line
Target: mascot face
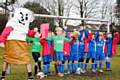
23 15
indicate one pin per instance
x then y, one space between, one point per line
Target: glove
31 33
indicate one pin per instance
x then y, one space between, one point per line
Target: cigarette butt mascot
13 37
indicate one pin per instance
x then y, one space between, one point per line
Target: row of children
74 47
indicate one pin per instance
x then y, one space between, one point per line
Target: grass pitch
18 72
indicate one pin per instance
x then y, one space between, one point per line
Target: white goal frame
73 18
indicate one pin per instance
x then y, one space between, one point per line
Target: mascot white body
20 24
14 38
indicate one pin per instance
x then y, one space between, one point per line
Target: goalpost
73 18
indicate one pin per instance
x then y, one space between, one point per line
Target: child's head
37 35
101 36
71 31
36 29
109 35
75 30
59 30
93 36
82 26
64 33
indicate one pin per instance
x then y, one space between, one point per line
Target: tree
4 17
6 3
107 10
117 11
57 7
3 20
86 8
117 14
38 9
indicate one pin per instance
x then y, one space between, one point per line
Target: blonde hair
76 34
101 34
58 29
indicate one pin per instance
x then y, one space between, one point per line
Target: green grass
19 71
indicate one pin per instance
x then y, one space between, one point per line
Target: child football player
100 55
111 42
58 48
91 53
74 54
81 38
36 49
46 55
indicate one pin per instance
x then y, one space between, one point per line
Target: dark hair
81 25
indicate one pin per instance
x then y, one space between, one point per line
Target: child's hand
36 29
2 45
100 33
109 35
53 34
37 35
81 27
39 59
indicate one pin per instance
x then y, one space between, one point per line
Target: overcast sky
21 2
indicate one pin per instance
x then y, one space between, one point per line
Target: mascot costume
13 38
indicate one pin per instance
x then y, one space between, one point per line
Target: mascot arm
5 33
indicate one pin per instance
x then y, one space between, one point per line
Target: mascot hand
2 45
